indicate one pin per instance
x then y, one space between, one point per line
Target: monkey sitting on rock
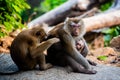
27 49
72 49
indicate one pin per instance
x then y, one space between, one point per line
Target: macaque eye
75 25
72 24
38 33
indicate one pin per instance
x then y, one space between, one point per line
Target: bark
102 20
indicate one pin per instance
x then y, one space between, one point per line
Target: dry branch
89 13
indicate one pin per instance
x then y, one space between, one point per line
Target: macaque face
74 28
39 33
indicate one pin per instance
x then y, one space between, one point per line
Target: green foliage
10 11
48 5
106 5
110 33
102 58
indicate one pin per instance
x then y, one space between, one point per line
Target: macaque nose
76 30
77 25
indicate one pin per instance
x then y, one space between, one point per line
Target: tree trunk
54 15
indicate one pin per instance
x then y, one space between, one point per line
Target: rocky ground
56 73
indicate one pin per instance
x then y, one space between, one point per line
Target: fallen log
102 20
55 14
58 14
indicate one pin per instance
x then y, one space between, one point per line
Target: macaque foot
90 72
80 69
92 63
46 66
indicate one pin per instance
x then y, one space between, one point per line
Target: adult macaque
72 48
27 49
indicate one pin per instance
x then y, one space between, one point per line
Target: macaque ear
42 24
81 23
66 20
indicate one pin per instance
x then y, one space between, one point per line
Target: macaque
72 49
27 49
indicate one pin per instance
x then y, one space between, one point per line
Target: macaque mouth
75 33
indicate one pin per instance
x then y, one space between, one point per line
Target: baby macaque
72 49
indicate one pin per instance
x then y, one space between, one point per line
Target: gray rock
56 73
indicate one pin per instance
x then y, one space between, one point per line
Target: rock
57 73
115 43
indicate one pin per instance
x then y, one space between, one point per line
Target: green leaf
102 58
10 15
48 5
8 27
108 31
17 9
107 37
2 34
105 6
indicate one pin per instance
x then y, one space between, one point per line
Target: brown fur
27 49
71 49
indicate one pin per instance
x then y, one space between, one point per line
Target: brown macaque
72 49
27 49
